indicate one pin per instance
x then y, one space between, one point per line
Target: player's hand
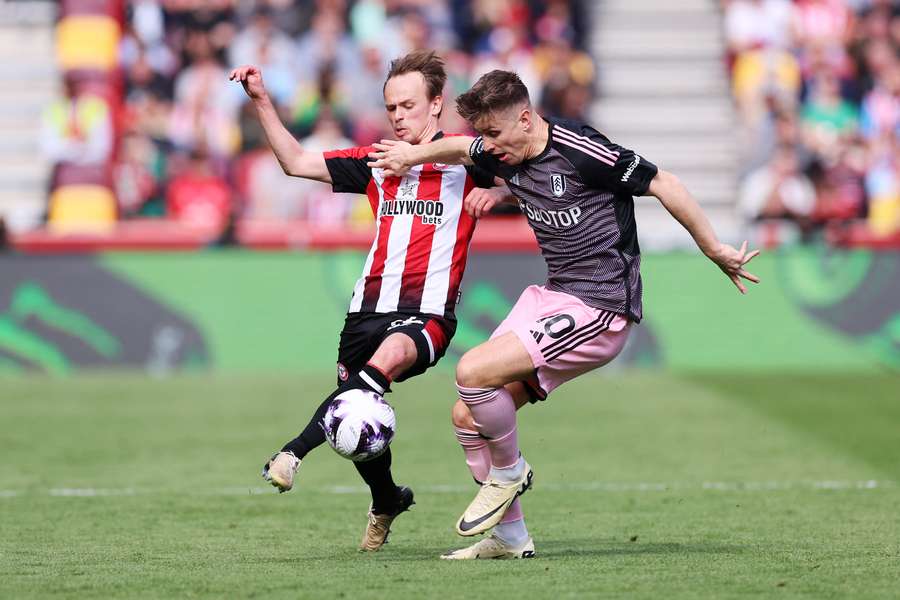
480 201
393 156
251 78
732 262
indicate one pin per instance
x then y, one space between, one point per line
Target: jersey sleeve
480 176
349 169
606 165
486 162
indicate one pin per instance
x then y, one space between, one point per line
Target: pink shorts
564 336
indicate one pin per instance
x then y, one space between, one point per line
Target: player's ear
437 105
525 119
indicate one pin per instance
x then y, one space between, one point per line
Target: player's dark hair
494 91
426 62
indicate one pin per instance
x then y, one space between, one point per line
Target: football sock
377 475
377 472
313 436
478 458
478 455
512 533
511 473
494 412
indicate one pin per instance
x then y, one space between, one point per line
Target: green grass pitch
646 485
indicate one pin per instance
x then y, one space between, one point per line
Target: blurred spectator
328 43
197 196
838 182
827 117
205 109
881 106
754 24
325 94
883 185
269 195
261 44
778 190
138 176
77 127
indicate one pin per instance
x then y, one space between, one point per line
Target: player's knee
395 355
468 372
462 416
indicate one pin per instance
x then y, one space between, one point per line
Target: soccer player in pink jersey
576 189
401 314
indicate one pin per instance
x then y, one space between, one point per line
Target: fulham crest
557 184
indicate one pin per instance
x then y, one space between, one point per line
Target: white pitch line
91 492
592 486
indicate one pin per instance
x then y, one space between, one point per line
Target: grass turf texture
645 485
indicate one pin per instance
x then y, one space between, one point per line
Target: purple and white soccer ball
359 425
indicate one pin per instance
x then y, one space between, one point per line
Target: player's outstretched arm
396 157
681 205
294 159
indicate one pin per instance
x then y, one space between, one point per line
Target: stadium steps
664 92
30 81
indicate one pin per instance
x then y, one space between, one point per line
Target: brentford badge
343 375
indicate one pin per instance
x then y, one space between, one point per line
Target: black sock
377 474
313 435
370 378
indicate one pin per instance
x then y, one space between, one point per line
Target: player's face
505 134
412 115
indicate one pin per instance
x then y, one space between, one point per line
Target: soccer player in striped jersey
401 314
576 190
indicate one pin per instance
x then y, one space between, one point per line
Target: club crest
557 184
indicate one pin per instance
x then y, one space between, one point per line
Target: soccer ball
359 425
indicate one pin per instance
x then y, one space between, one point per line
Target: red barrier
858 235
496 234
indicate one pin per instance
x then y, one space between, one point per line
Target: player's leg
510 537
414 343
394 356
481 376
568 339
356 346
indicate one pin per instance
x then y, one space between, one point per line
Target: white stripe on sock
368 379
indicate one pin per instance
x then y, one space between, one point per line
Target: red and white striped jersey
418 257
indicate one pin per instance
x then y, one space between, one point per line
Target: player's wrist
262 100
714 250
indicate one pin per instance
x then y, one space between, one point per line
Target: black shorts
364 332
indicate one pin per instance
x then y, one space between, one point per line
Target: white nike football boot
491 503
280 470
492 547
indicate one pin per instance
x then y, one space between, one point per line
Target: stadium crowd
817 88
189 146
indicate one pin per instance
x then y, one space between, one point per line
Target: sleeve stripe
603 159
574 137
358 153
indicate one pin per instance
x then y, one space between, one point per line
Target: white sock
513 533
509 474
